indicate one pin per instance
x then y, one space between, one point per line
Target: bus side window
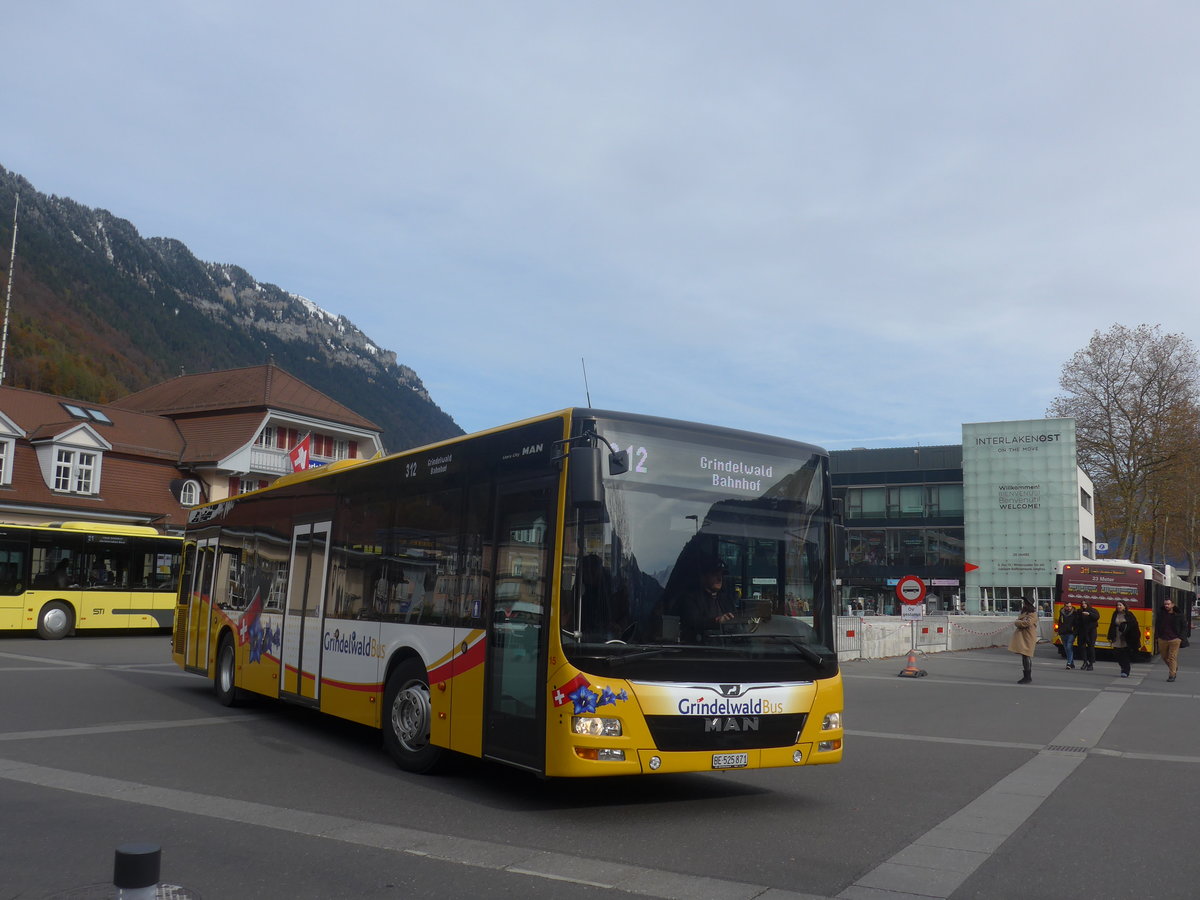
10 579
12 569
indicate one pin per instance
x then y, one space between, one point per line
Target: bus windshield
706 555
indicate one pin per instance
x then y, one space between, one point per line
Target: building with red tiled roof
147 457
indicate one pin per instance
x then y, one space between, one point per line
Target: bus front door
514 729
305 612
199 609
14 561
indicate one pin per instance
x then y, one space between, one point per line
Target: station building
982 523
147 458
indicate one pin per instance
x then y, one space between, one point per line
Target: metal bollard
135 871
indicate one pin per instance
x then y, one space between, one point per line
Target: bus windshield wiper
617 661
802 648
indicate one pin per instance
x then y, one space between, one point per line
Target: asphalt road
958 784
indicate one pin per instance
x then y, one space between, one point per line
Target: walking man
1066 631
1170 630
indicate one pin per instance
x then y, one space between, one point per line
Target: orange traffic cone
911 670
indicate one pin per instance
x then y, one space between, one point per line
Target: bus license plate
731 760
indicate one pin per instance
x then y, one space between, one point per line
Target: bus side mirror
586 485
618 462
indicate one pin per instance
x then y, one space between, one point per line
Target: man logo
731 723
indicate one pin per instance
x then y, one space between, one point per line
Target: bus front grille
682 733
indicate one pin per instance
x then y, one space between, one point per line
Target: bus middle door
514 728
304 614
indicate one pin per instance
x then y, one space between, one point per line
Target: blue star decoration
256 641
586 700
608 698
262 639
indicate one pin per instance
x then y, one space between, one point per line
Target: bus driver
704 607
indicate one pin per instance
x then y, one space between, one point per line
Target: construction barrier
884 637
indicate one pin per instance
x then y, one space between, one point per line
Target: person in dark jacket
1086 621
1066 631
1125 636
705 607
1170 628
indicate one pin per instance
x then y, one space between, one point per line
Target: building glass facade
1008 503
1027 505
904 516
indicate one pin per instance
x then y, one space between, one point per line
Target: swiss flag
563 694
299 455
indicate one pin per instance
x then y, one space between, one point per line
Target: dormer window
9 434
71 462
189 494
6 459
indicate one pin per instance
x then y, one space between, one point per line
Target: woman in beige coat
1024 639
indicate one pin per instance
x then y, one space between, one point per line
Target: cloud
838 222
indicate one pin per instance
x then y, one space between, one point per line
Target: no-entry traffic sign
910 589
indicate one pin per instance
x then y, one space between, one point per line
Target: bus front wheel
55 621
224 678
407 715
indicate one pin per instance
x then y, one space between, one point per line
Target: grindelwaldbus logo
723 706
353 645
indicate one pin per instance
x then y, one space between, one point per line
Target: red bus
1103 583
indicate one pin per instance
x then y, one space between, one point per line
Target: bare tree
1133 394
1183 505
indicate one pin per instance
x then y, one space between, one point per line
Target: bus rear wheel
55 621
224 678
407 715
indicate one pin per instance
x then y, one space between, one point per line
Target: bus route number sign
911 590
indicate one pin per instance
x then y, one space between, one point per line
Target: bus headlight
595 726
600 755
831 721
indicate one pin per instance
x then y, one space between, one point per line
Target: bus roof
569 414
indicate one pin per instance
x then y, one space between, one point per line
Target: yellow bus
75 575
533 595
1103 582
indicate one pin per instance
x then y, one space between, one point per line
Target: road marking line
49 663
937 863
1009 745
530 862
128 726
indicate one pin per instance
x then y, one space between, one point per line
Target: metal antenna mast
587 393
8 291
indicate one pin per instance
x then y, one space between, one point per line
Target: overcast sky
850 223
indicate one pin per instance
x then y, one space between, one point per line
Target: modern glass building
982 524
904 516
1027 504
